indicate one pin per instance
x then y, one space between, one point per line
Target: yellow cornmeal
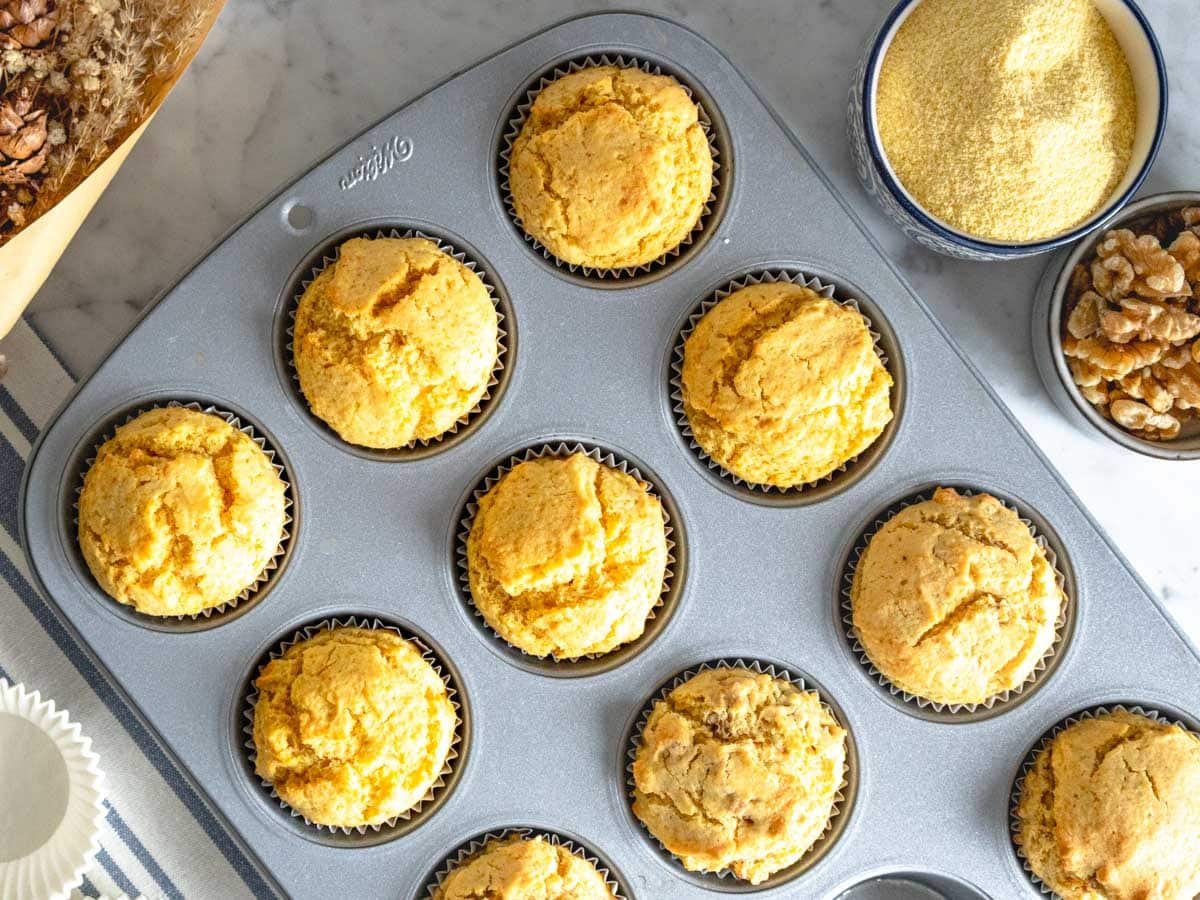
566 557
782 386
180 512
352 726
954 600
1110 810
1010 120
738 770
524 869
612 167
395 342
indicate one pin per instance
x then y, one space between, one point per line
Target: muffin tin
377 537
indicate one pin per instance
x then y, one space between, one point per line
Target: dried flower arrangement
76 78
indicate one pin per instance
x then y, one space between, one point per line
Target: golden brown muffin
395 342
179 513
1110 810
566 557
611 168
954 600
352 727
524 869
738 770
781 386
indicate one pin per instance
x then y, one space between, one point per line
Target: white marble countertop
281 82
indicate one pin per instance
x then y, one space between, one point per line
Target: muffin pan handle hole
298 217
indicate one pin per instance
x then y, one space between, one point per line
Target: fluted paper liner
562 449
997 702
769 276
722 879
476 845
516 122
272 566
59 864
469 418
453 692
1043 744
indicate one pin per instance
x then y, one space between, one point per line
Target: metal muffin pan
375 536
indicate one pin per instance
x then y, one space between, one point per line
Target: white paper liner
452 692
560 450
766 276
476 845
996 701
517 121
1043 743
59 864
725 876
502 343
272 566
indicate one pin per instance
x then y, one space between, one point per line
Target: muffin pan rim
1066 625
661 614
82 458
320 257
841 819
841 242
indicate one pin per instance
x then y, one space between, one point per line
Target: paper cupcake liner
997 703
1043 743
724 879
675 384
516 122
364 835
421 446
472 847
672 581
212 615
59 864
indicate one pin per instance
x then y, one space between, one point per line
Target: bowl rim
1156 449
877 52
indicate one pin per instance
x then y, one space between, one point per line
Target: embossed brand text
378 161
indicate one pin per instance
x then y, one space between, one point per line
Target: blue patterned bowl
1137 40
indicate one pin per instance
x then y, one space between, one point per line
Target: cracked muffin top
738 770
524 869
566 556
611 168
781 386
394 342
180 512
352 726
1110 810
954 600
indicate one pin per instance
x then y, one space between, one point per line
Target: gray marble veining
282 82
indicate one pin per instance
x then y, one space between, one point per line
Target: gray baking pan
376 535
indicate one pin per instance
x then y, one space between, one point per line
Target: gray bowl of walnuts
1116 328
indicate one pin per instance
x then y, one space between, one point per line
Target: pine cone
26 23
23 139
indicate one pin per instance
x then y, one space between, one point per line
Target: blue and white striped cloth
160 838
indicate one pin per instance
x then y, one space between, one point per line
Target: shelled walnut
1131 324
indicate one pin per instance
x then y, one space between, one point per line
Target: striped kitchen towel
160 837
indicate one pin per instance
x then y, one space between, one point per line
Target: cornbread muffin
566 557
1110 810
524 869
781 386
352 726
394 342
179 513
738 770
954 600
611 168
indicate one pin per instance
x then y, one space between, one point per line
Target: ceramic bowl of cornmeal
1004 129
